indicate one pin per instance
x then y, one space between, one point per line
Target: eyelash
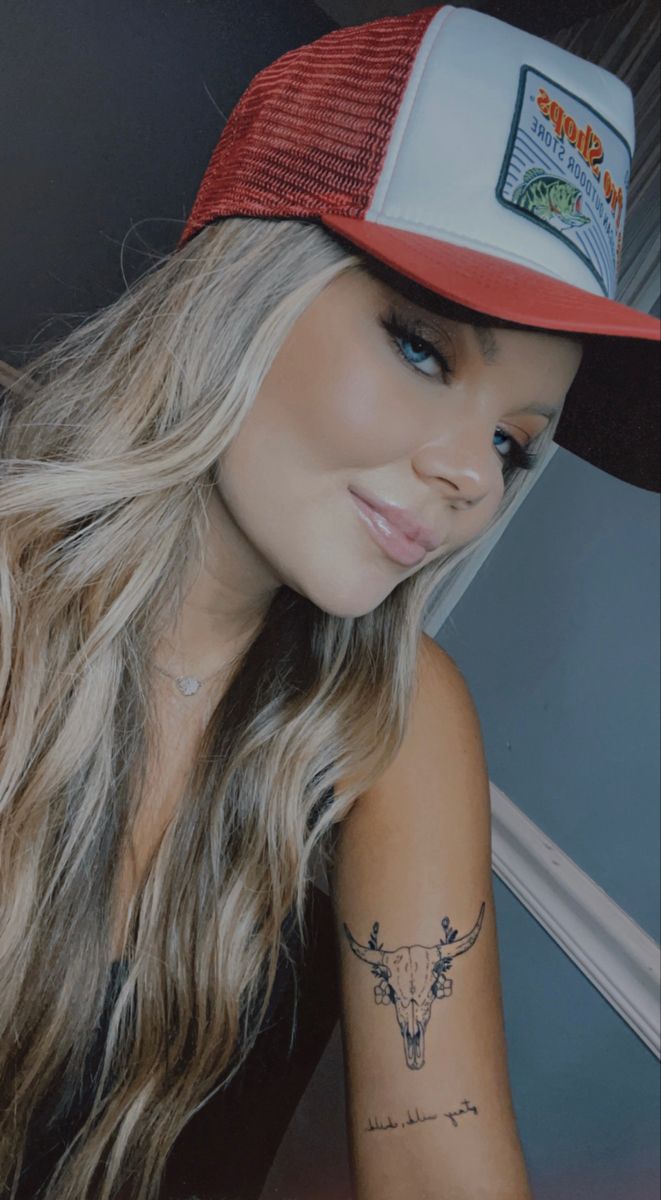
518 457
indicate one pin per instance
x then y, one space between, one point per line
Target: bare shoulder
440 679
443 747
439 773
444 699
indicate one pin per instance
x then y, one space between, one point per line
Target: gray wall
558 638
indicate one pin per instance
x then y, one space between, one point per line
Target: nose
466 463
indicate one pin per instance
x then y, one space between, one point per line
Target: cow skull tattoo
412 977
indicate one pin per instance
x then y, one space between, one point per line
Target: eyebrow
544 410
487 343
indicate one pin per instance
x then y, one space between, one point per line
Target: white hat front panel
509 145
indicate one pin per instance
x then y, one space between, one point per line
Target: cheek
334 406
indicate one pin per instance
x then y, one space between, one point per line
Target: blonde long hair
110 438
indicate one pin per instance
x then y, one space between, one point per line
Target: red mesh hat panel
311 131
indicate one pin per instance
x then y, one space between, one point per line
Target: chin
346 600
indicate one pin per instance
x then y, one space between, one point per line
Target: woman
213 665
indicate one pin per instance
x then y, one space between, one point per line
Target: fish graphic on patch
550 198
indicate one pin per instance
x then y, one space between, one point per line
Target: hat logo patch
567 169
550 198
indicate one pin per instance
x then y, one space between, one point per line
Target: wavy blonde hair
110 438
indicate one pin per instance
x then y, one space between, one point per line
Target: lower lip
397 546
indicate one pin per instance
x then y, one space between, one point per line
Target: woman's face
346 407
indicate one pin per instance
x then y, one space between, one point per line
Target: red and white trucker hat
484 163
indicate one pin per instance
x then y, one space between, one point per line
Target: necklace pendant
188 685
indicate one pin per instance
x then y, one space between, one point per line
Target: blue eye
518 457
400 331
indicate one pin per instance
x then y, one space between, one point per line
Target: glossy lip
402 519
400 548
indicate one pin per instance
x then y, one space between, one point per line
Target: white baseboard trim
611 949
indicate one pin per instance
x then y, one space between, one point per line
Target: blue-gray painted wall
558 639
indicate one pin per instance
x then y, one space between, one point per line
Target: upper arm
428 1091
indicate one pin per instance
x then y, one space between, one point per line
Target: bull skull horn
451 949
365 952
